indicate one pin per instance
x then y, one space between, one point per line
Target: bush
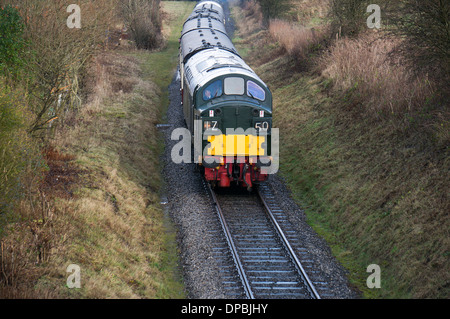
426 27
363 69
17 150
298 41
272 8
55 54
348 16
11 41
143 20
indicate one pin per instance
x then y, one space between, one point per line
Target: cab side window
213 90
255 91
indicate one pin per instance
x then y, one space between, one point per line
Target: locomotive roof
212 63
211 14
198 39
205 29
207 51
203 22
211 7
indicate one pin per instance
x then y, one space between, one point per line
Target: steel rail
288 246
237 260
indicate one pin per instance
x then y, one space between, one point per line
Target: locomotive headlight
206 125
259 113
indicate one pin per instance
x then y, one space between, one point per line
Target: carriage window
234 86
213 90
255 91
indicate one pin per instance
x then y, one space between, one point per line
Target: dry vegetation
89 210
118 238
143 20
378 73
364 145
253 17
57 55
364 68
88 193
297 40
37 233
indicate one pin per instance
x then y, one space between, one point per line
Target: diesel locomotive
225 101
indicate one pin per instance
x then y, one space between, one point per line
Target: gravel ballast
193 214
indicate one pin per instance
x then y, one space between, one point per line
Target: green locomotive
225 103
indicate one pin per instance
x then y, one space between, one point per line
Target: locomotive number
211 125
262 126
214 125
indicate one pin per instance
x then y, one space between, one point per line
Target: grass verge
374 188
101 197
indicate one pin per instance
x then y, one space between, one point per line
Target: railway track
260 255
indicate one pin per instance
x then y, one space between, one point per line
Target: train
225 100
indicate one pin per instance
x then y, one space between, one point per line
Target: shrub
272 9
297 40
426 26
348 16
363 68
143 20
11 41
17 150
253 10
57 55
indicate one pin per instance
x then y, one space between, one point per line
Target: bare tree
425 25
57 55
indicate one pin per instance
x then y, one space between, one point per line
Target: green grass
366 193
160 66
374 192
114 227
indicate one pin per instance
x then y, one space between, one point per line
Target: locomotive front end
236 116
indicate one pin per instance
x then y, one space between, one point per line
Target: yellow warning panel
236 145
